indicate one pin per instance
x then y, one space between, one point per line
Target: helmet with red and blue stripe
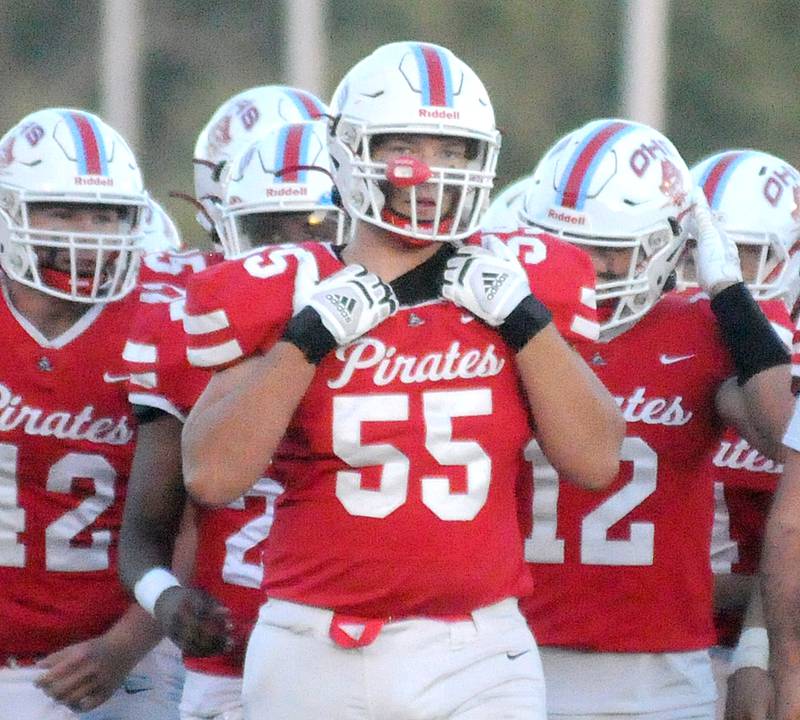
63 156
755 197
615 185
286 173
413 88
235 125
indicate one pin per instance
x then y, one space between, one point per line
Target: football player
277 190
391 382
623 600
754 196
71 200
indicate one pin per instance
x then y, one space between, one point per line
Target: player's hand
750 695
338 310
488 281
195 621
716 256
351 302
85 675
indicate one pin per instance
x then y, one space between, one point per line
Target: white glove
716 256
488 281
338 309
351 302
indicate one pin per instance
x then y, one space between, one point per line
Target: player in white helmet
373 375
236 124
754 197
275 191
71 201
279 190
623 599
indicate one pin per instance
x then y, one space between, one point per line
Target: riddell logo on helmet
566 217
439 114
94 180
287 191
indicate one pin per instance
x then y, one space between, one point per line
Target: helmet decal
717 175
89 146
309 107
585 161
434 73
293 144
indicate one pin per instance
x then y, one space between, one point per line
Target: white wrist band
752 650
150 586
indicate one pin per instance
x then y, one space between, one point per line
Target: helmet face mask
756 199
71 201
608 186
280 190
419 93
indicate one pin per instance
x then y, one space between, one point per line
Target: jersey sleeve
562 277
241 307
174 268
155 354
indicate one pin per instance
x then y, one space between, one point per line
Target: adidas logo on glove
492 282
344 305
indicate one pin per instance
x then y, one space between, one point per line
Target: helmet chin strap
403 222
62 281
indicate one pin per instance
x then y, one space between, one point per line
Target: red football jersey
399 491
66 445
627 569
229 539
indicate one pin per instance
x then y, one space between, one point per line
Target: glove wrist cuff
751 341
308 334
524 322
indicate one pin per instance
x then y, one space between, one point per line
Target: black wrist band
306 332
752 343
525 321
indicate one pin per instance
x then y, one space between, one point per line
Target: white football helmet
287 172
62 156
413 88
503 212
756 199
615 185
236 124
160 233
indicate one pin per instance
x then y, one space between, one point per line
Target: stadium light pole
121 67
644 62
306 45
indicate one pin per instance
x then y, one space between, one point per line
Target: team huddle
398 446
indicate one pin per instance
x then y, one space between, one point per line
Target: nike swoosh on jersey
671 359
467 319
111 378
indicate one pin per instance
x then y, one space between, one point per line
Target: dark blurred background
726 73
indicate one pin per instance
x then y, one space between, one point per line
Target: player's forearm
233 430
577 420
155 501
780 586
769 403
134 634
